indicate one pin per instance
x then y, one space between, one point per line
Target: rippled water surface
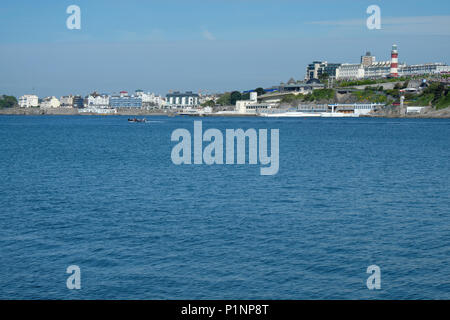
103 194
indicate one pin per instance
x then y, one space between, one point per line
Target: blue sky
208 45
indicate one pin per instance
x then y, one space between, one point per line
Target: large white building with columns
350 71
180 100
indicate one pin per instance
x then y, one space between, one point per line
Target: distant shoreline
75 112
431 114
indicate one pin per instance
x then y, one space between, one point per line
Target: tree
225 99
260 91
245 96
7 101
235 96
209 103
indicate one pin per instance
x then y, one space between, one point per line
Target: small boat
137 120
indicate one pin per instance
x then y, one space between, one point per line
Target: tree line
7 102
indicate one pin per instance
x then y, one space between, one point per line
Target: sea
103 194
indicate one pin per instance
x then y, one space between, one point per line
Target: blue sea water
103 194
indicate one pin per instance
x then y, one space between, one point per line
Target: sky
205 46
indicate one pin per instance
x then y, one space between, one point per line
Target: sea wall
74 111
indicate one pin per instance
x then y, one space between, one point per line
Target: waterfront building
124 100
50 102
350 72
378 70
242 105
330 69
357 109
383 69
415 110
318 68
97 101
150 100
312 70
310 108
370 69
28 101
252 106
423 69
181 100
67 101
77 102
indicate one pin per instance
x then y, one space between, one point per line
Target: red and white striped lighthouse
394 61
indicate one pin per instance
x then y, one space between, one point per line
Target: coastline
428 114
75 112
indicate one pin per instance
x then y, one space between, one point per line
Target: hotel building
97 101
422 69
124 100
368 68
28 101
350 71
180 100
318 68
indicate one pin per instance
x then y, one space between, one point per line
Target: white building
50 102
98 101
181 100
350 72
251 106
28 101
378 70
370 69
357 109
415 109
150 100
422 69
242 105
66 101
359 71
124 100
